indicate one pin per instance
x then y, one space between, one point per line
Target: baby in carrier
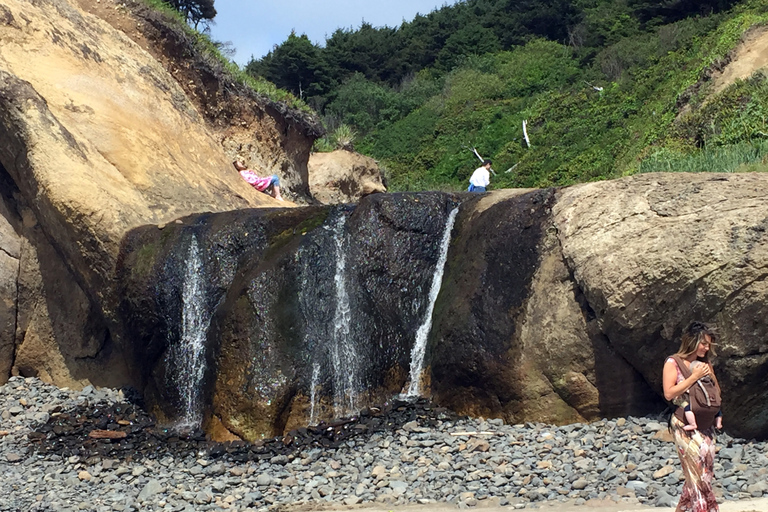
707 385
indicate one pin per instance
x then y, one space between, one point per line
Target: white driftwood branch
511 168
482 160
525 133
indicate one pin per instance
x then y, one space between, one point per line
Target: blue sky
255 26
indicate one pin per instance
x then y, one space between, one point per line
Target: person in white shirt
481 178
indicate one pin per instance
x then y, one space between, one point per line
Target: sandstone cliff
97 136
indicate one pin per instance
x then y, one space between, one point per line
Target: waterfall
313 393
188 355
420 344
344 358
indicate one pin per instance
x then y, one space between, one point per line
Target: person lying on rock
268 185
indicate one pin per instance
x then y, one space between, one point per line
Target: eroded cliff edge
103 127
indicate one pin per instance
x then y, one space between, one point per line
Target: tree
296 65
194 11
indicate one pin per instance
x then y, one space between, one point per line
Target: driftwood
525 133
107 434
482 159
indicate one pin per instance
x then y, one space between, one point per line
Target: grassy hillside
649 115
607 87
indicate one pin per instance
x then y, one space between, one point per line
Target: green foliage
734 158
296 65
343 137
585 122
194 11
364 104
737 114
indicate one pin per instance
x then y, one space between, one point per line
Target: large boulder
653 252
10 254
343 177
309 313
512 335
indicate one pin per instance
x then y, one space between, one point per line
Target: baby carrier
703 397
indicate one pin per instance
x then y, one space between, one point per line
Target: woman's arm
669 379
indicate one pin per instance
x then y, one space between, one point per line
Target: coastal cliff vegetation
607 88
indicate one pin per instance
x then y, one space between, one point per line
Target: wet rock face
272 282
156 267
487 281
305 325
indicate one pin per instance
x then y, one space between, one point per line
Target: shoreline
426 460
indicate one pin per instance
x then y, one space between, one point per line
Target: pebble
419 461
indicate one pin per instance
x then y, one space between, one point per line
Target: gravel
407 454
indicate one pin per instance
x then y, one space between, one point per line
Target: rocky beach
93 450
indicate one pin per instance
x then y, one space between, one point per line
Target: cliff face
98 137
555 305
132 253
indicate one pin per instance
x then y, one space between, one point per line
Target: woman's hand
700 371
719 423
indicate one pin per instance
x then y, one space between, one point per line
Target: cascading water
343 354
420 344
313 393
188 355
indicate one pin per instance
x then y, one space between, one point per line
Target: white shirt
481 177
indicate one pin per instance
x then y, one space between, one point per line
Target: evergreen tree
194 11
296 65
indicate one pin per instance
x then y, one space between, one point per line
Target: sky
255 26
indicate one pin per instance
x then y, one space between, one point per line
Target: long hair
694 334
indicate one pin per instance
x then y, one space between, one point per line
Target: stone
343 177
151 488
580 483
84 475
352 500
661 473
478 445
263 480
398 487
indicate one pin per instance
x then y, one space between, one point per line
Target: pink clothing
260 184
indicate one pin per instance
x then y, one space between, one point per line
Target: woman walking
696 447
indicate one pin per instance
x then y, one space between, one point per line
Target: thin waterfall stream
422 334
343 353
188 355
313 393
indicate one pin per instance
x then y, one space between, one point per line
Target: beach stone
150 489
263 480
580 483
